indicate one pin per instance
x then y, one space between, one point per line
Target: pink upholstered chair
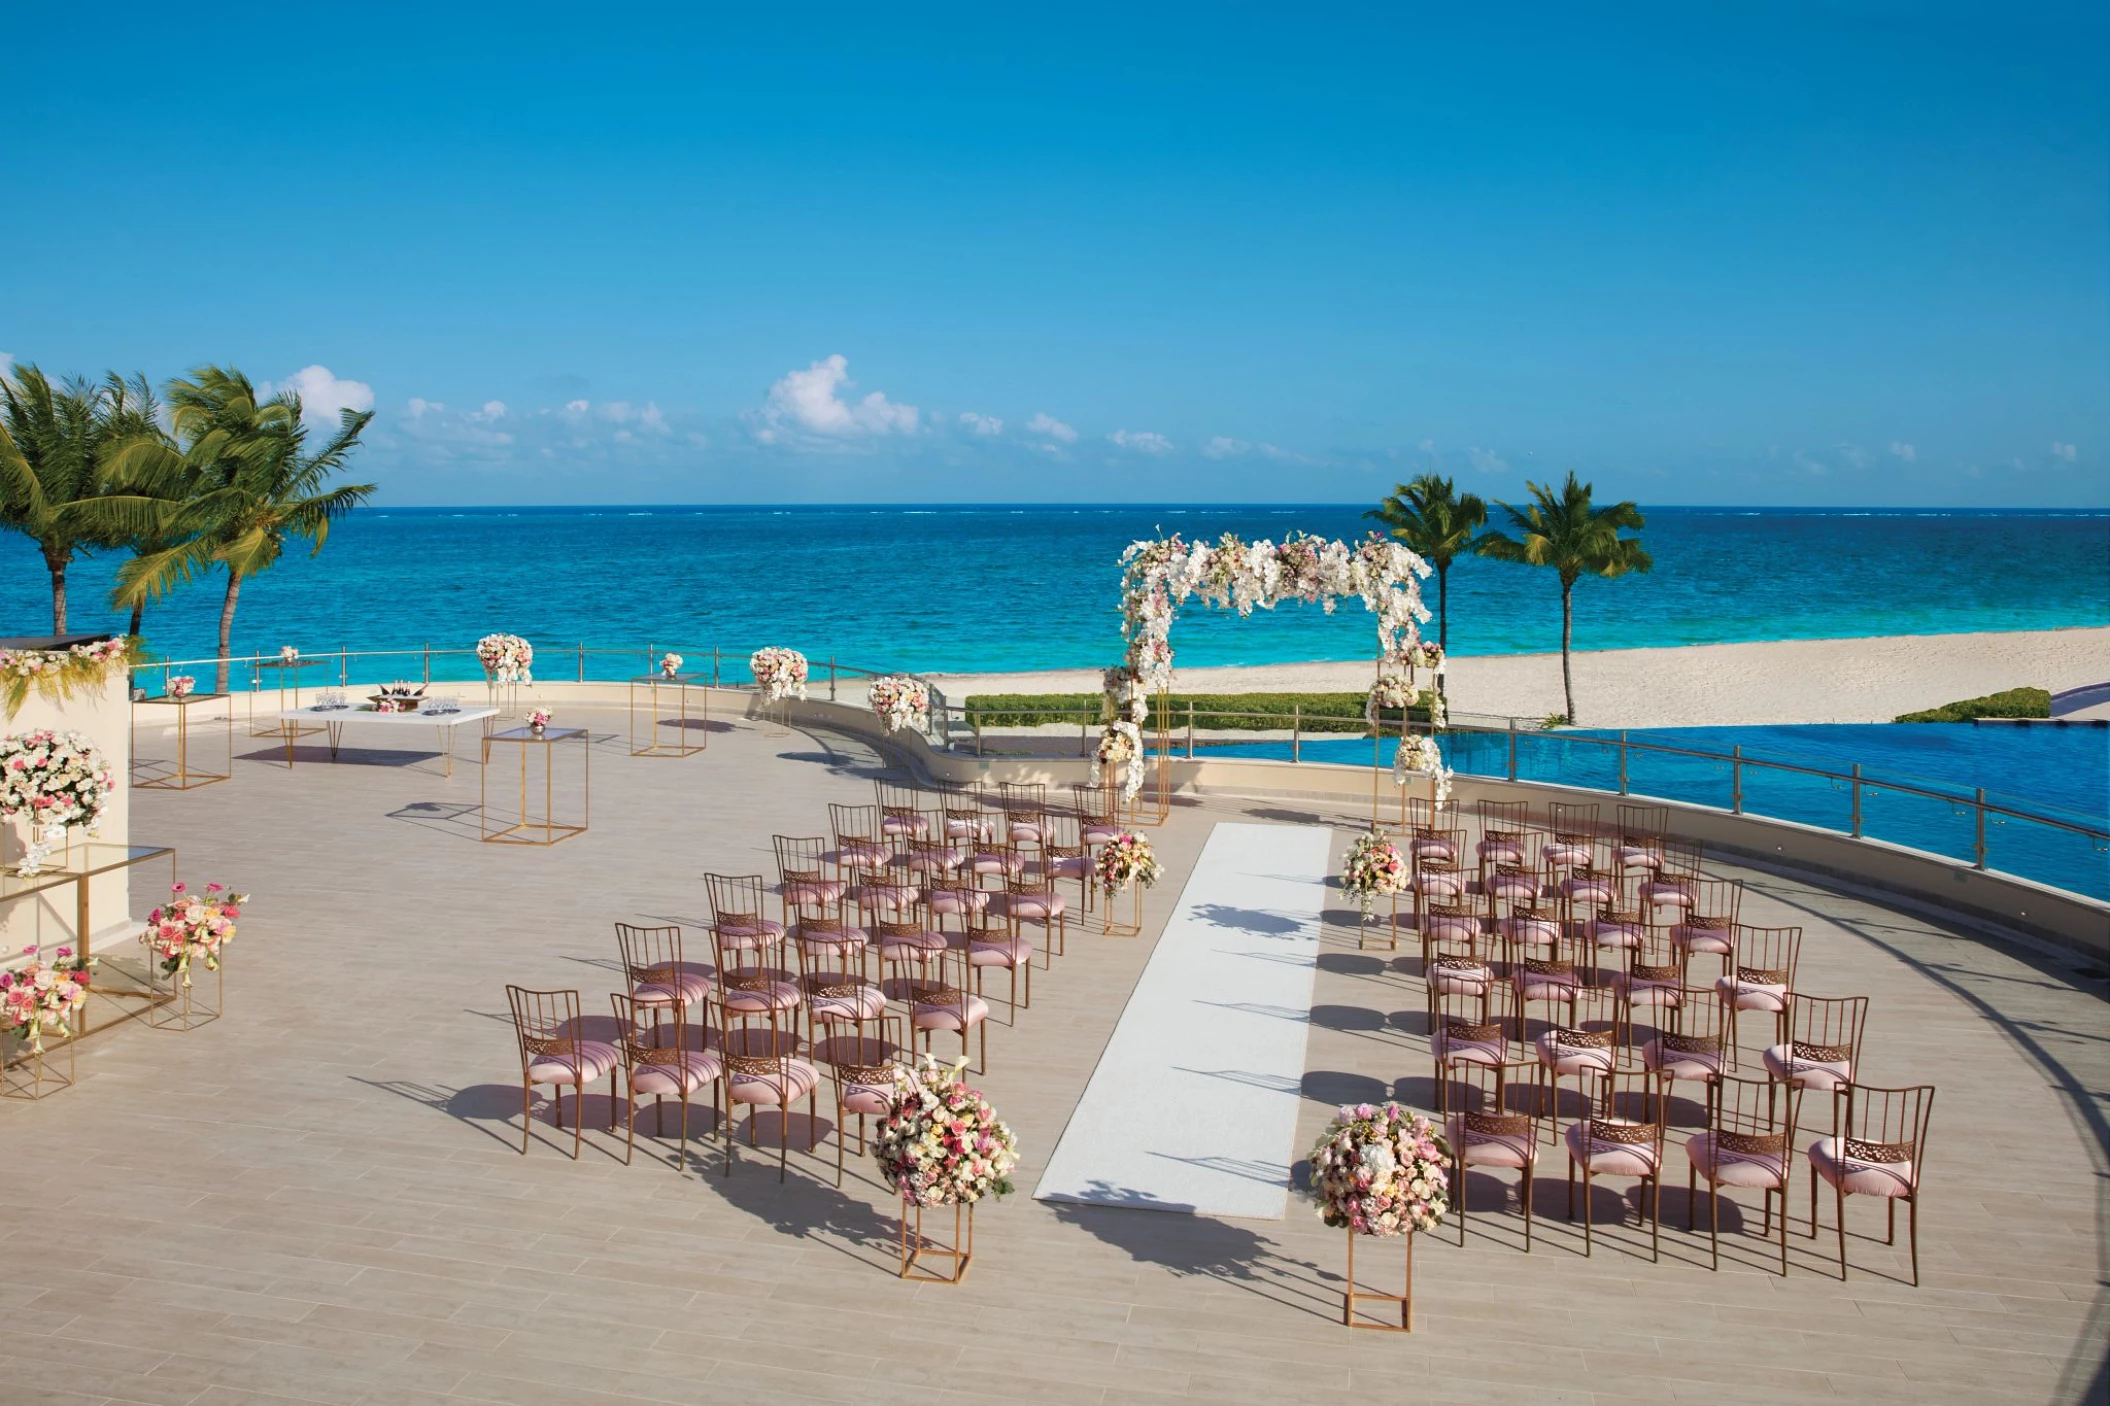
1882 1152
1098 812
860 850
1583 1049
947 1005
1823 1048
1748 1143
737 905
763 1070
832 980
804 884
1693 1047
1460 1034
1762 979
556 1056
902 813
1548 981
960 901
1501 822
998 860
658 977
1432 839
1637 840
967 811
992 947
1032 898
1457 957
908 949
1584 890
1487 1128
1025 806
1532 930
661 1060
1572 840
1510 884
1620 1136
753 978
1666 883
1653 984
1436 880
1615 929
1708 925
1065 856
864 1070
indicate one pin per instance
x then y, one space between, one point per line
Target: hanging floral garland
57 673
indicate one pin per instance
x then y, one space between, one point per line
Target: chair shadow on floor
1191 1245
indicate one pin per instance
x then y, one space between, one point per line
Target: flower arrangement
1390 691
506 658
1381 1171
41 996
1375 868
402 696
1128 859
670 664
1158 576
192 927
779 672
1423 654
941 1144
1420 756
180 685
1121 744
901 701
287 654
56 673
538 718
56 779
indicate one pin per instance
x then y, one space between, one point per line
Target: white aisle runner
1194 1104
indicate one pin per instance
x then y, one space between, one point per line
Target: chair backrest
1755 1115
1698 1023
1595 1022
824 943
965 809
1096 803
649 954
858 824
1063 837
1023 800
1569 821
1507 817
1889 1125
1491 1100
1641 823
736 899
644 1036
1715 901
1422 813
1681 858
1454 929
800 857
1827 1028
1768 955
544 1022
754 1041
895 797
1460 1013
1626 1106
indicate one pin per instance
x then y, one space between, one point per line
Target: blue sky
1847 254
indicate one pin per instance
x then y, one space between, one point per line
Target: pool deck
321 1197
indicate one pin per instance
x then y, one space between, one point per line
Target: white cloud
1900 450
1809 465
2067 452
808 403
1427 446
322 395
1854 454
494 410
1285 456
1048 427
981 424
1486 460
1224 447
1141 441
577 407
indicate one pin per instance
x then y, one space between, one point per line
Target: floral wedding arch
1158 577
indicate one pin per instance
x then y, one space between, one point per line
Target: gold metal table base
681 684
1405 1301
528 830
183 778
917 1247
114 981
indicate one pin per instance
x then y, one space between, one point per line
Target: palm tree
57 441
1569 533
1437 524
239 481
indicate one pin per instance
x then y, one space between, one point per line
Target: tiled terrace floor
321 1198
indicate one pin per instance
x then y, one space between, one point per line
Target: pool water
2060 773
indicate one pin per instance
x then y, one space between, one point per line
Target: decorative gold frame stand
1133 927
33 1059
283 726
178 1008
1364 925
183 778
1161 728
916 1247
652 684
1405 1300
774 714
528 830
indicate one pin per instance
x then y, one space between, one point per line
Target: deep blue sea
1004 588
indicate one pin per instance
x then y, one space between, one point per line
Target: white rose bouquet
901 701
55 779
779 672
506 658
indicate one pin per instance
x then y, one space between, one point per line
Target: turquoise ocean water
1006 588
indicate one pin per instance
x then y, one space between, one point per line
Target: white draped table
334 720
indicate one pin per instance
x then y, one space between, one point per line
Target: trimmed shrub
1241 712
2009 703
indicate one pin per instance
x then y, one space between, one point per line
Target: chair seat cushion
950 1013
1735 1166
1615 932
785 1081
1753 995
1666 895
842 996
1592 889
814 890
1637 857
897 947
1783 1063
1702 1065
1099 832
758 997
1027 830
1563 1058
996 862
904 825
747 934
1444 883
860 854
592 1059
955 902
865 1100
1500 851
1532 932
1482 1147
1606 1157
1513 888
1453 1045
1461 976
1546 986
1427 848
1036 905
697 1068
686 989
999 951
1708 941
1858 1175
1566 854
833 942
1070 866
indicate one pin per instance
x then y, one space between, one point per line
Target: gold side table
288 684
653 685
529 829
122 975
184 778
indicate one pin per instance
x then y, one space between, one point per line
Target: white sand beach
1787 681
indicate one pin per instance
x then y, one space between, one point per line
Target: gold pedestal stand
42 1080
1161 728
916 1247
1362 928
1405 1301
178 1007
288 682
183 778
681 684
529 830
775 714
1132 926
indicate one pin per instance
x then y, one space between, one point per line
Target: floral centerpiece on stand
192 927
1420 756
538 719
1121 745
55 780
1375 869
1128 859
180 685
670 664
1425 654
901 701
941 1144
42 996
287 654
507 659
779 672
1381 1170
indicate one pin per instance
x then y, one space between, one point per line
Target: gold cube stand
1132 925
1349 1316
176 1006
681 684
184 778
1363 934
42 1079
288 671
529 829
916 1246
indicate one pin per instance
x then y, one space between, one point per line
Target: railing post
714 666
1512 749
1857 800
1622 761
978 734
1978 844
1736 780
1296 732
428 663
582 661
1190 729
831 678
344 666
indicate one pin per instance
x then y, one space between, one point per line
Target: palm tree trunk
139 613
1568 634
234 589
1443 607
57 564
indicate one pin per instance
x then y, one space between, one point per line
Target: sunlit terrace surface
322 1197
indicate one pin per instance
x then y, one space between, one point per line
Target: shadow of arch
1193 1245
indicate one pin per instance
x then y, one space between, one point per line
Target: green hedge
1319 712
2011 703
